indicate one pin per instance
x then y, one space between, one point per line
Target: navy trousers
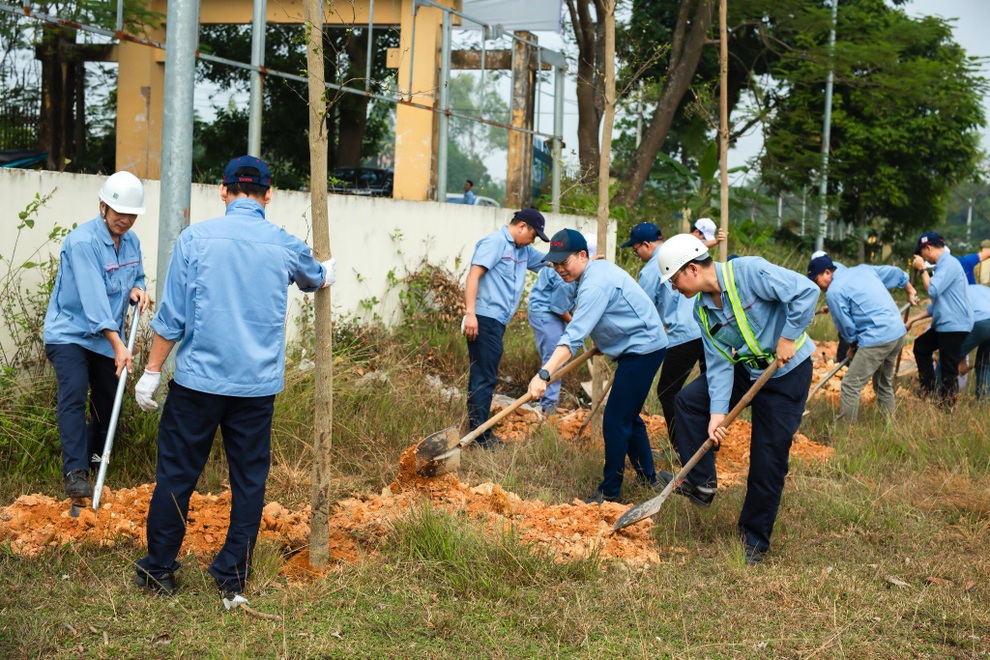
81 372
623 428
677 366
185 436
777 412
485 353
949 347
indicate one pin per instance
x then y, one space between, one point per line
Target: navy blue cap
819 265
644 232
247 169
534 219
929 238
565 243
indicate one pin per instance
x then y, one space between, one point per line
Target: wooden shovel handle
557 375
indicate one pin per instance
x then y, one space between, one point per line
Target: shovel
828 376
601 402
651 507
897 364
114 416
440 452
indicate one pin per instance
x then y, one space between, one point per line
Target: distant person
469 197
492 293
709 234
551 301
685 348
100 270
952 318
867 317
969 262
979 338
225 299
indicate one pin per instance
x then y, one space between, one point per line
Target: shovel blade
439 453
644 510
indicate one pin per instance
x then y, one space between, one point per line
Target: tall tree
589 35
905 119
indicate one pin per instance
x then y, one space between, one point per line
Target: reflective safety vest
760 359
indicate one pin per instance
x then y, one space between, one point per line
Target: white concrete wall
370 237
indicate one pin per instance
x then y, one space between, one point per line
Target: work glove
144 391
331 266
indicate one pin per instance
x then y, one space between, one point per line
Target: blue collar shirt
469 198
778 303
950 309
225 299
615 312
861 307
501 287
676 310
979 297
92 287
551 294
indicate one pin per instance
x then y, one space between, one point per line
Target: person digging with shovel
868 319
225 299
622 321
100 272
751 313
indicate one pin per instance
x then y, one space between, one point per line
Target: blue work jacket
861 307
92 287
950 307
225 299
778 303
615 312
676 310
551 294
979 297
501 287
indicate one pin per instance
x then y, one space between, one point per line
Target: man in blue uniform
622 321
491 295
551 300
100 270
867 317
969 262
750 312
979 338
952 318
225 299
677 315
469 197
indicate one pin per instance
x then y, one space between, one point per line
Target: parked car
479 200
368 181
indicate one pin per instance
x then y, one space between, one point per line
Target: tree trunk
319 537
590 36
689 41
352 109
603 181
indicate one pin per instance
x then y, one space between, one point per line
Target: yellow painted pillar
140 88
415 137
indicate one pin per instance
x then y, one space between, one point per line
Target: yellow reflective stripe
704 322
737 308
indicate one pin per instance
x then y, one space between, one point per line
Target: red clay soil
359 524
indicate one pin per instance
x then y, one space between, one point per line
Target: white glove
144 391
331 266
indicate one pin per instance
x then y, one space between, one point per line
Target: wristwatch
544 375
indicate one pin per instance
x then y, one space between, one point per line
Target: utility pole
826 134
723 125
257 78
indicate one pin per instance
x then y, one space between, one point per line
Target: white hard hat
677 251
124 193
592 240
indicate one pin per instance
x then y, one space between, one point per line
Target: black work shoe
701 496
493 443
162 586
753 556
77 484
598 497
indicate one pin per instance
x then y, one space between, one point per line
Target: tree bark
589 32
319 546
603 181
688 43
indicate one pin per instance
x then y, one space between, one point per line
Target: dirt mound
823 363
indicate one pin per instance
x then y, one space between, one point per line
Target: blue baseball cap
565 243
644 232
247 169
819 265
534 219
929 238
